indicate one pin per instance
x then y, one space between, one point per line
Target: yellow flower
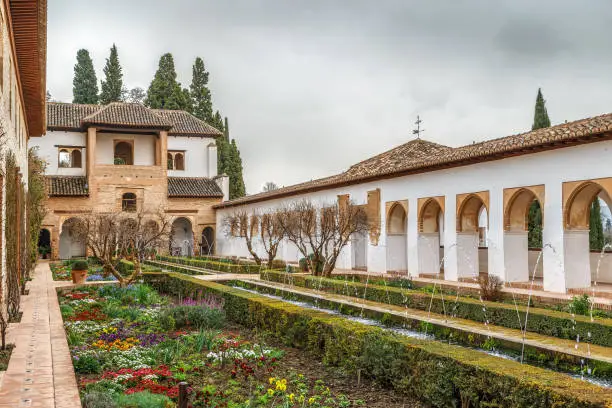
301 399
271 380
270 392
291 396
311 400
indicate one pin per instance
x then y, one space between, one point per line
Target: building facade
454 213
127 157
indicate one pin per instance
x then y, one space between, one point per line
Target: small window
124 153
176 160
69 158
129 202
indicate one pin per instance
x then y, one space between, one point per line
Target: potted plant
79 271
44 251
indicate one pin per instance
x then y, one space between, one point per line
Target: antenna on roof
418 129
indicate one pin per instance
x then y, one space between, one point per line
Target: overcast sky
311 87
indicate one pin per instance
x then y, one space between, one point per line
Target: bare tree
272 235
113 237
237 225
134 95
270 186
321 232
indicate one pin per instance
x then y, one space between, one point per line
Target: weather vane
418 129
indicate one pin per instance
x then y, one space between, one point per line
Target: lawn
132 347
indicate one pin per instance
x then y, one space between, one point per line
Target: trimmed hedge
440 374
175 268
223 267
543 321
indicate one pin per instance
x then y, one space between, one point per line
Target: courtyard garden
132 347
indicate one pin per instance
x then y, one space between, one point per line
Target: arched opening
472 226
124 153
584 236
170 162
76 158
129 202
70 246
64 159
430 243
397 259
181 242
523 228
44 243
179 161
207 245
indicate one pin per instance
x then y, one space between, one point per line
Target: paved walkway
40 372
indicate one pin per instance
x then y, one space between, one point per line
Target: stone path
502 333
40 372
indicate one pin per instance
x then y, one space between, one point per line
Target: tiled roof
72 116
193 187
185 124
129 115
67 186
420 156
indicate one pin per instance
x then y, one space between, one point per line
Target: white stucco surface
144 148
550 168
48 149
197 156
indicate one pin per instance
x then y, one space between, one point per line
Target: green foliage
166 322
125 267
98 399
132 294
218 266
80 265
36 202
436 373
580 305
547 322
596 235
198 317
200 94
229 161
165 92
87 364
143 400
13 222
112 86
85 83
66 311
540 116
534 225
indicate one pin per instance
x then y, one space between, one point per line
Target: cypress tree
540 116
237 189
596 236
200 94
165 92
112 87
85 83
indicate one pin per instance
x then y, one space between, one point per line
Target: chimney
222 181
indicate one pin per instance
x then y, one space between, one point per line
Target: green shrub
143 400
543 321
125 267
198 317
66 311
166 322
87 365
98 399
215 265
580 305
80 265
437 373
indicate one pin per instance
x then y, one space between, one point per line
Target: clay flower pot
79 272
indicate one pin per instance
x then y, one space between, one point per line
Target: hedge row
543 321
213 265
437 373
176 268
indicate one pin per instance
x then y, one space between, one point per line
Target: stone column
577 256
495 234
553 239
451 258
91 151
412 238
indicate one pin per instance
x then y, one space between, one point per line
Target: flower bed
543 321
132 347
436 372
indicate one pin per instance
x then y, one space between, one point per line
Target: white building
436 206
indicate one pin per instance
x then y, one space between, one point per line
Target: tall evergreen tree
540 116
540 120
200 94
237 188
112 86
596 235
85 83
165 92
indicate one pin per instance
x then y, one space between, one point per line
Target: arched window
128 202
76 158
124 153
64 158
179 161
170 162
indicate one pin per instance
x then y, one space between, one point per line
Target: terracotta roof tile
422 156
71 116
185 124
129 115
67 186
193 187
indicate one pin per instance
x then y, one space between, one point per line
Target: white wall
48 150
197 161
549 168
144 148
